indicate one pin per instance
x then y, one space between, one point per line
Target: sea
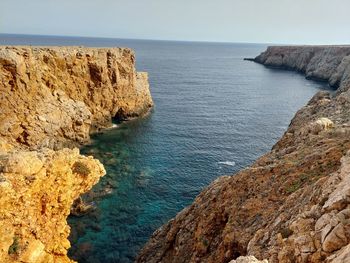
214 114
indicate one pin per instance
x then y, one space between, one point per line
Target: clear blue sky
264 21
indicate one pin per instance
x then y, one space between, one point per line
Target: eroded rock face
51 98
291 205
37 190
54 97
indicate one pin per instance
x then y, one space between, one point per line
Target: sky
251 21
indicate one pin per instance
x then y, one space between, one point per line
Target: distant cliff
327 63
50 98
292 204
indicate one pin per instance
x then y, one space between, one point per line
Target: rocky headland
56 96
325 63
52 98
293 203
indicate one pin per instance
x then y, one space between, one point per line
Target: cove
214 115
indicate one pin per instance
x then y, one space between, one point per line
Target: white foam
229 163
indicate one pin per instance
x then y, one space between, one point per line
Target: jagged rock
55 96
80 208
341 256
335 239
23 163
52 97
321 97
35 203
325 123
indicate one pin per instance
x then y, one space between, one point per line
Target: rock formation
37 190
52 98
328 63
292 204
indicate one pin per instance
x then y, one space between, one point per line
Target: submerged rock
80 208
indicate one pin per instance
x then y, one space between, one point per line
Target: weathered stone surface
55 96
292 204
341 256
35 202
52 97
335 239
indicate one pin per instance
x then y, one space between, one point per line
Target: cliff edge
56 96
51 98
292 204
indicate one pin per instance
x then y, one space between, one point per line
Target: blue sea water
214 114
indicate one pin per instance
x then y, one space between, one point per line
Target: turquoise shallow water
214 114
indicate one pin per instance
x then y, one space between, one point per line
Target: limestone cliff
37 190
292 204
55 96
328 63
50 98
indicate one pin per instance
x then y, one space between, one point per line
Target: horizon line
145 39
171 40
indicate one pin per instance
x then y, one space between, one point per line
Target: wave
229 163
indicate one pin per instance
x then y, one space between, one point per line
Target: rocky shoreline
324 63
52 98
292 204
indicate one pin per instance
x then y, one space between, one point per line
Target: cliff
55 97
51 98
292 204
327 63
37 190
